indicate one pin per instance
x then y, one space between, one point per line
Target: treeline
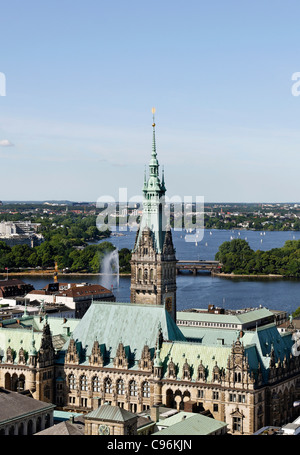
69 242
68 258
251 222
238 258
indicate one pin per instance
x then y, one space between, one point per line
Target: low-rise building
73 426
213 317
14 287
78 297
192 424
23 415
291 325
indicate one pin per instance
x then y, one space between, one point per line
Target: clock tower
153 260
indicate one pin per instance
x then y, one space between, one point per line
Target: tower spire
153 165
154 240
153 140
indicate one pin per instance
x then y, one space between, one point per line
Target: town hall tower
153 261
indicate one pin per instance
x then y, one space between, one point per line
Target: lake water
203 289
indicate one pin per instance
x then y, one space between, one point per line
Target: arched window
237 377
38 424
30 427
120 387
108 385
96 384
83 383
72 381
47 420
140 274
146 389
21 383
133 388
7 381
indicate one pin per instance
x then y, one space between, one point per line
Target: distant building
20 233
14 287
12 308
291 325
226 320
75 296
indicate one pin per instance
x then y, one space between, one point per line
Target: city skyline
81 80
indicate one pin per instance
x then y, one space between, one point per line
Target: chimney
154 413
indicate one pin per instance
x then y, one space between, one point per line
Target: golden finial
153 112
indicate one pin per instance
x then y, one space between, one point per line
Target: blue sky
82 77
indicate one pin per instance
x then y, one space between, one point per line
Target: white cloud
5 143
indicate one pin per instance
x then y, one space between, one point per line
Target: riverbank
51 274
233 275
78 274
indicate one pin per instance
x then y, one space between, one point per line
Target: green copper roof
197 424
257 343
154 191
110 413
193 353
178 417
209 336
265 339
133 325
30 330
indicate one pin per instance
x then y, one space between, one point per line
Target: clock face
103 430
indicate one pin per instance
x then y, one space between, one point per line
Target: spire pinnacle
153 112
153 140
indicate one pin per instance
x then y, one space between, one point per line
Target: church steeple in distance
153 262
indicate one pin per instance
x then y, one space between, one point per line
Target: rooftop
234 319
196 424
15 405
134 325
110 413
